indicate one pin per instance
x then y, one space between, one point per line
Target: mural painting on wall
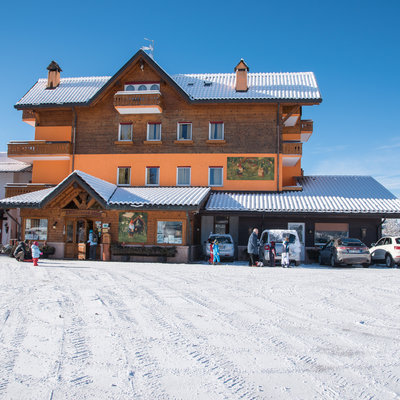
251 168
132 227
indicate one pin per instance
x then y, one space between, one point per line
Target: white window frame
177 130
209 129
148 126
129 180
209 176
148 85
153 184
177 176
119 132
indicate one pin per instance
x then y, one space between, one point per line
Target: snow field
91 330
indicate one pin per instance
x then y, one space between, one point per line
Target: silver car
345 251
225 244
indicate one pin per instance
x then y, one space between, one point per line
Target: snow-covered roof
274 86
69 91
158 196
263 86
11 165
113 196
320 194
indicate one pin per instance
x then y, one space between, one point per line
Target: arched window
142 87
130 88
154 87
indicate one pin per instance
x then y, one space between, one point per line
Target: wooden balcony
39 150
306 126
292 148
138 102
15 189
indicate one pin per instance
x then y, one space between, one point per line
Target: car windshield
397 240
222 239
278 237
350 242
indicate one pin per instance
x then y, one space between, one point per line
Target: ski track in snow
86 330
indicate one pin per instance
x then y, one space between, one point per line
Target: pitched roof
113 197
290 86
320 194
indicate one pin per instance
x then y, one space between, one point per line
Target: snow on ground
87 330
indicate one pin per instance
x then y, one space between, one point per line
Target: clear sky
351 46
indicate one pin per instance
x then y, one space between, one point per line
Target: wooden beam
294 109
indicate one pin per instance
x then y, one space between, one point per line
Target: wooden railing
292 148
132 100
38 147
15 189
306 125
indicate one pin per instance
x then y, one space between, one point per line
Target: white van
278 236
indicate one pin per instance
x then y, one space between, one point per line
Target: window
183 176
184 131
125 132
155 87
216 131
142 87
129 88
169 232
35 229
124 176
215 176
153 131
328 231
152 176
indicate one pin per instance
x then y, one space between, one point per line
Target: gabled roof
320 194
11 165
111 196
265 87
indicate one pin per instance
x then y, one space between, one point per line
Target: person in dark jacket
252 248
20 251
272 254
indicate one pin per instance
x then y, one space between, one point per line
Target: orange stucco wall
105 167
53 133
289 173
50 171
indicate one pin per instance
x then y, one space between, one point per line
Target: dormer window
142 87
130 88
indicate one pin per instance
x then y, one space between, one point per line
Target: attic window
207 83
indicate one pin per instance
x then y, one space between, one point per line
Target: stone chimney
53 79
241 76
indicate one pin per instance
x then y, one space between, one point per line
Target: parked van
278 236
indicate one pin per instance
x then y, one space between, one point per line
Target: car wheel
365 265
320 260
333 262
389 260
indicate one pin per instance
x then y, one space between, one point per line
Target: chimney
53 79
241 76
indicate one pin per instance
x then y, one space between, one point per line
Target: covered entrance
77 234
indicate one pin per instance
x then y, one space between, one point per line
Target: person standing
93 240
211 259
252 248
20 251
35 253
272 254
285 253
215 249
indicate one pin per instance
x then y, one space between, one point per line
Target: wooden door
76 231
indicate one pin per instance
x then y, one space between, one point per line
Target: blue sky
351 46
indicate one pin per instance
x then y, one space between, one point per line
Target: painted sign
251 168
132 227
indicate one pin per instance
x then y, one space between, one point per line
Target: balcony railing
292 148
38 147
138 103
15 189
306 125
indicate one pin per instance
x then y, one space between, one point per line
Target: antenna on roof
149 48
